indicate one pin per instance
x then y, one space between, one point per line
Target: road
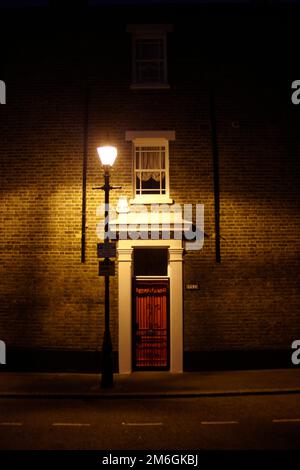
246 422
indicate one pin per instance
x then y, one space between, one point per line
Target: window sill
149 86
151 200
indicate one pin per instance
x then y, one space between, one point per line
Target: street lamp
107 155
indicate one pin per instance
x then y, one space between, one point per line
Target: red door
151 325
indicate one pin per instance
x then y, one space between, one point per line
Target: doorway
134 258
151 332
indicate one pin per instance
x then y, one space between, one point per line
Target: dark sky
13 3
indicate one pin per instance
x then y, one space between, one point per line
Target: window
150 262
150 164
149 61
149 55
150 169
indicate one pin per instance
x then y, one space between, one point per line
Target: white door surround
175 270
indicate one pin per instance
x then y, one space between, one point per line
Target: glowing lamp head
107 155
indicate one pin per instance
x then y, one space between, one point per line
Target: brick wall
49 299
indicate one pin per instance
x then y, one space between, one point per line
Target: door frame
133 342
175 274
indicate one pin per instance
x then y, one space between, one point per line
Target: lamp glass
107 154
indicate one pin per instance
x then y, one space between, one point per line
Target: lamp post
107 155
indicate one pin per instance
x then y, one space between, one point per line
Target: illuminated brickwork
49 299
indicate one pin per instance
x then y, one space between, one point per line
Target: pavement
150 384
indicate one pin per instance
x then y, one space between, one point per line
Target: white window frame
151 138
145 198
155 84
149 32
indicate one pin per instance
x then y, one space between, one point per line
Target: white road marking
286 420
142 424
11 424
219 422
70 424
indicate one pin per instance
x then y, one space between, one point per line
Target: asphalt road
246 422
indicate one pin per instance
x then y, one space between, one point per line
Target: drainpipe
84 174
216 174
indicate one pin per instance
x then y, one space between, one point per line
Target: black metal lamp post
107 155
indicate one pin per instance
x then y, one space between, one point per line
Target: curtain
150 160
